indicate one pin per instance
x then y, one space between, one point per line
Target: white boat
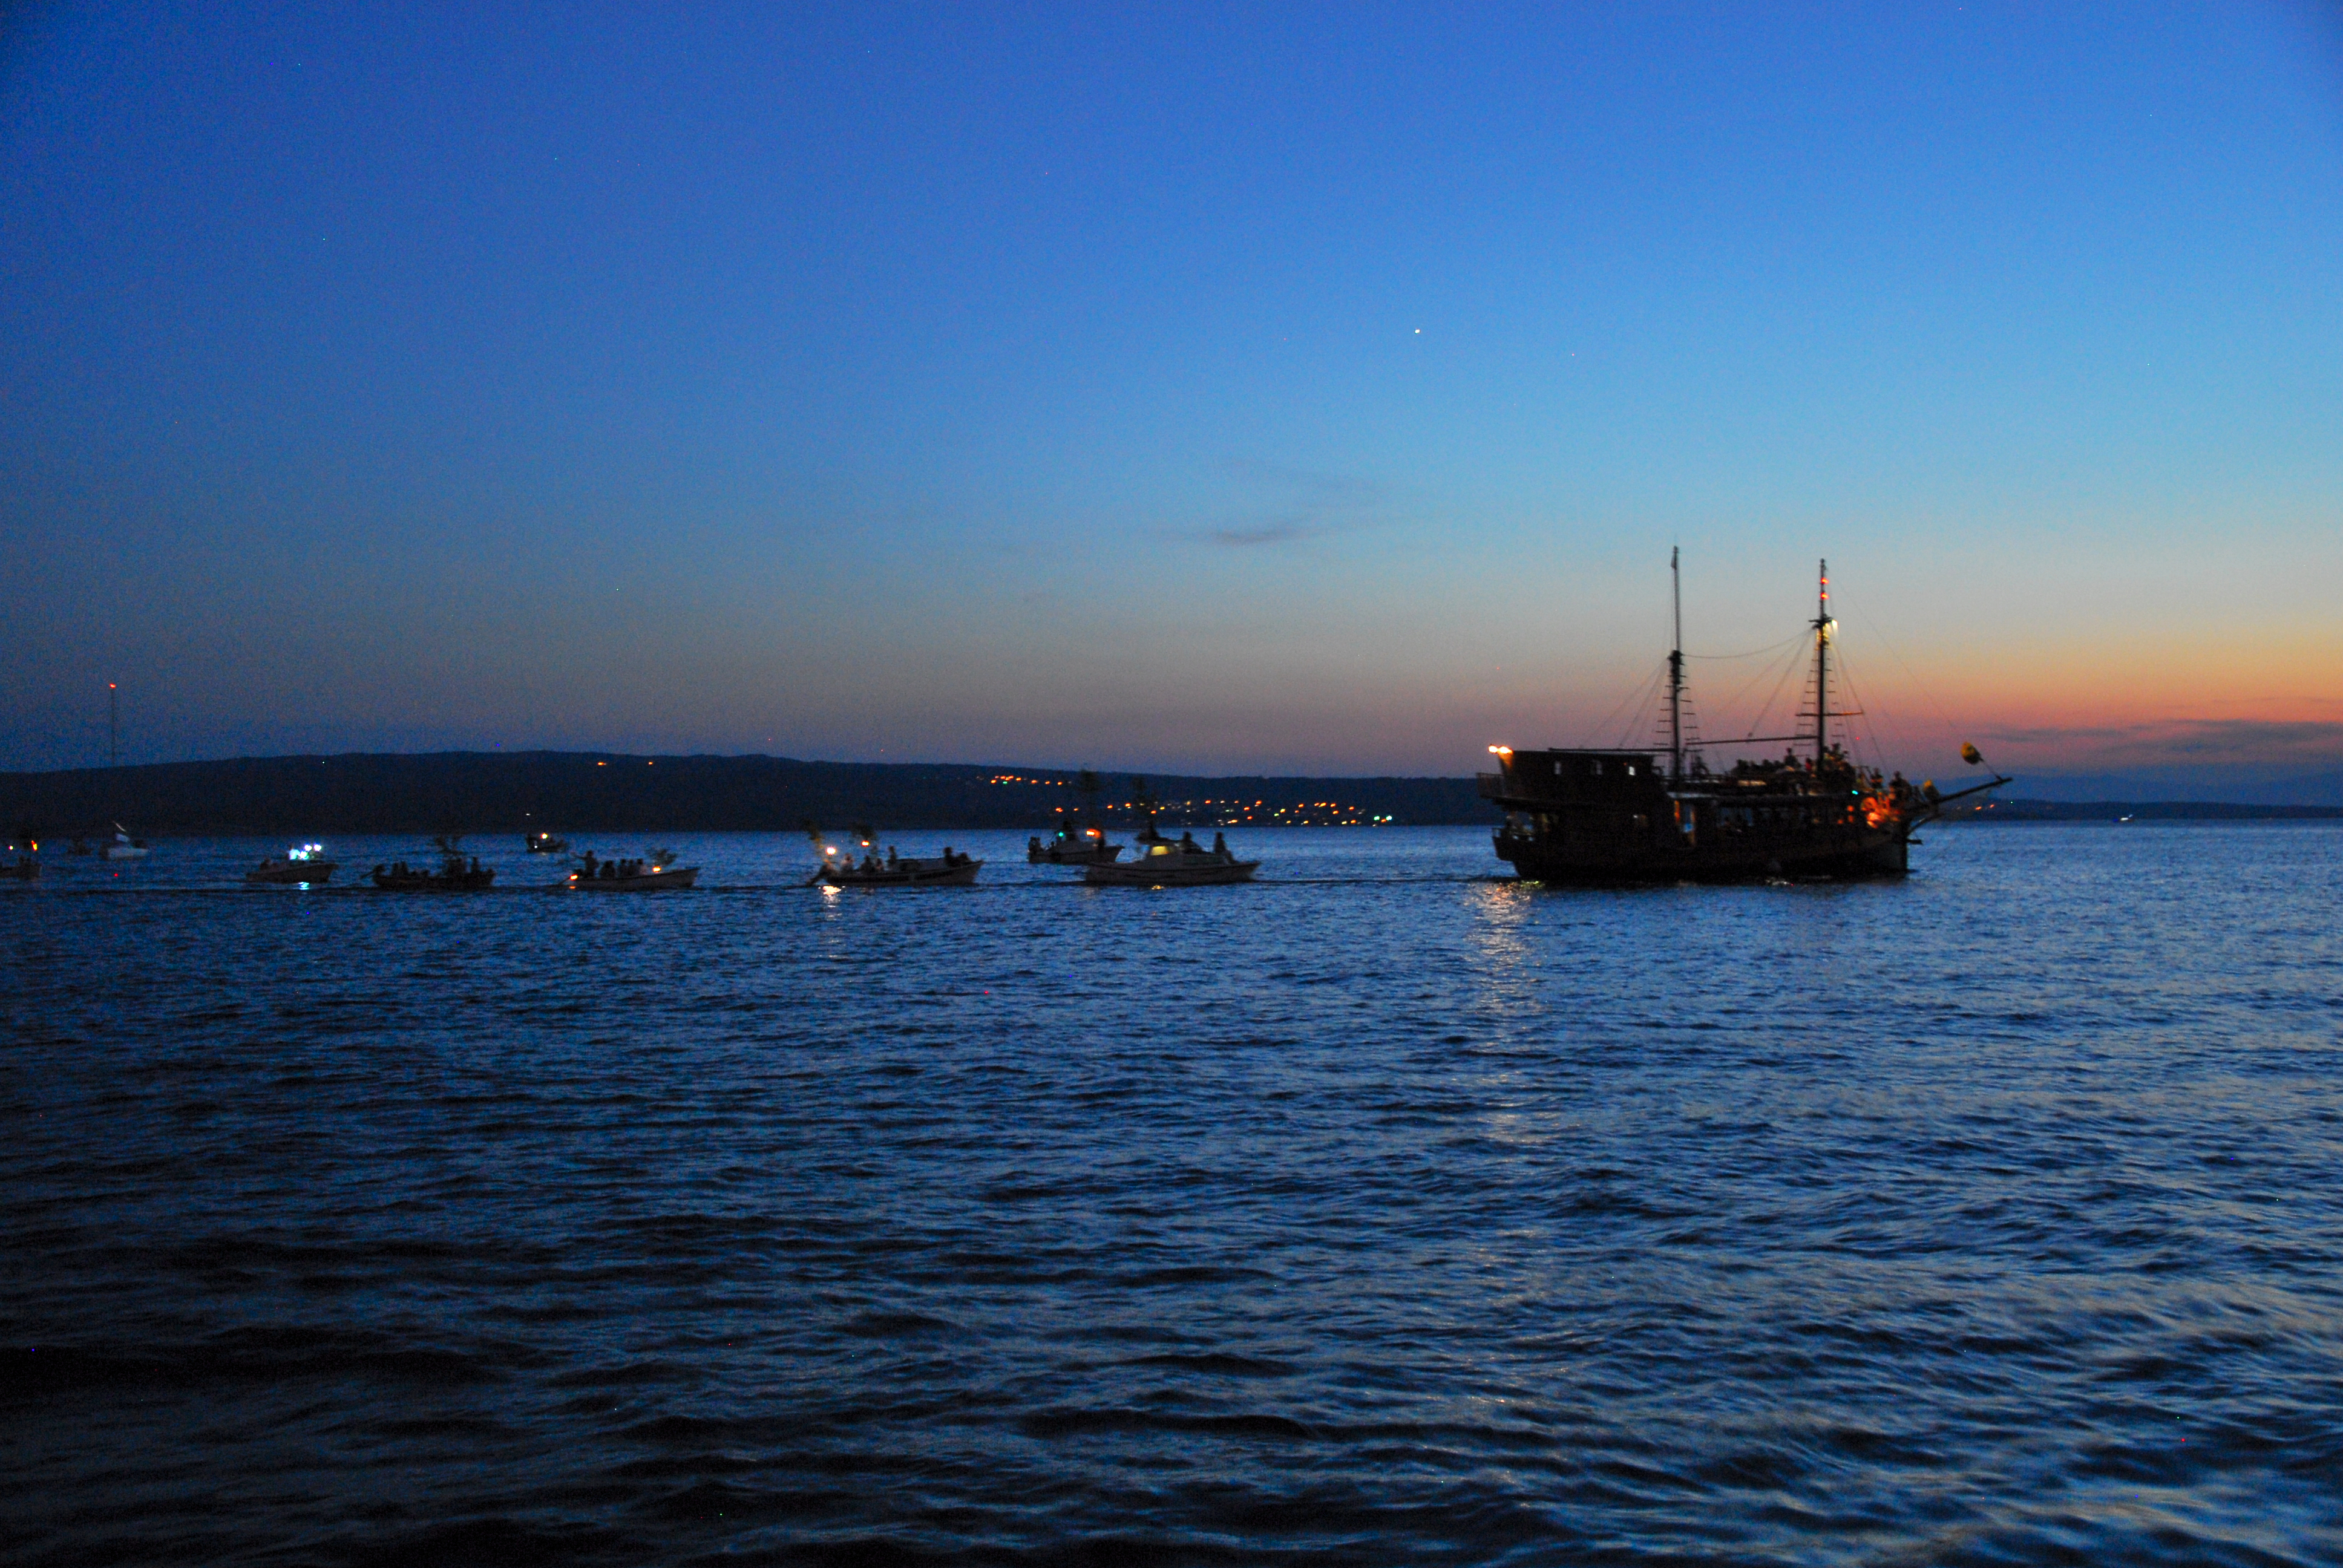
1178 862
125 846
632 876
302 865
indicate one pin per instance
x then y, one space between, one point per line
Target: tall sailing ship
1614 816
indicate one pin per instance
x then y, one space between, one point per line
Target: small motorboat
1075 843
632 876
546 844
25 869
1178 862
453 876
302 865
125 846
945 870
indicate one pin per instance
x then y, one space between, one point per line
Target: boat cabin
1612 797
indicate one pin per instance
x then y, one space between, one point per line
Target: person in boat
1221 844
590 862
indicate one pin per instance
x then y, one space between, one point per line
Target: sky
1217 389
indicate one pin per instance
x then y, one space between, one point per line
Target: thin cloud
2241 740
1330 492
1309 505
1276 533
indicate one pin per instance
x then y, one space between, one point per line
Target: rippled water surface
1384 1210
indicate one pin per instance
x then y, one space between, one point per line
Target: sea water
1385 1210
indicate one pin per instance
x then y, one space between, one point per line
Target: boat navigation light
1501 751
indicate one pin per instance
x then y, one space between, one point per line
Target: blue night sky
1211 388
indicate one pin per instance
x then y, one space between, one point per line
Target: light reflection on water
1382 1209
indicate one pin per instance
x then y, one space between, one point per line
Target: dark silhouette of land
2022 811
563 791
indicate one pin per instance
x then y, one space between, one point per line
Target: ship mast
1675 675
1822 665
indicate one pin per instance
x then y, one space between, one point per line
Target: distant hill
2138 811
2224 784
565 792
497 791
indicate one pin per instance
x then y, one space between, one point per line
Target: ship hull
1838 857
